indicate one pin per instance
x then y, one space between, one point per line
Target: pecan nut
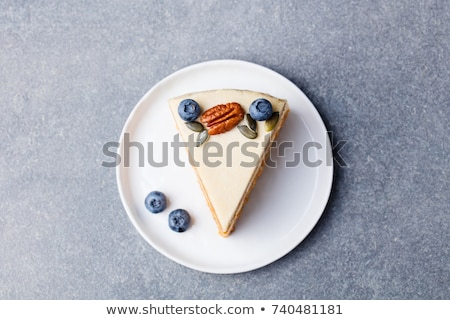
223 117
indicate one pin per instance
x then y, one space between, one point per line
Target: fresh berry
179 220
189 110
260 109
155 202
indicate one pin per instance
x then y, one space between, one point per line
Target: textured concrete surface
377 71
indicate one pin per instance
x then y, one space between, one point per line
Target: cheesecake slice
226 146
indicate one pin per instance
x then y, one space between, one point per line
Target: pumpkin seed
251 122
195 126
246 131
202 137
272 121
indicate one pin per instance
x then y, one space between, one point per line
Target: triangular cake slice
229 155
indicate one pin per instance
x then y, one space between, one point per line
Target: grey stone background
377 71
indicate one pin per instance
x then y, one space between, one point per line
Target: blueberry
179 220
260 109
155 202
189 110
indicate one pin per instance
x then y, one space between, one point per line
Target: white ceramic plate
286 203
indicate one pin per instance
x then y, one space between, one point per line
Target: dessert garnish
260 109
195 126
272 121
155 202
251 122
223 117
179 220
202 137
247 132
189 110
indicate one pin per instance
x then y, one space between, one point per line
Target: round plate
285 204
